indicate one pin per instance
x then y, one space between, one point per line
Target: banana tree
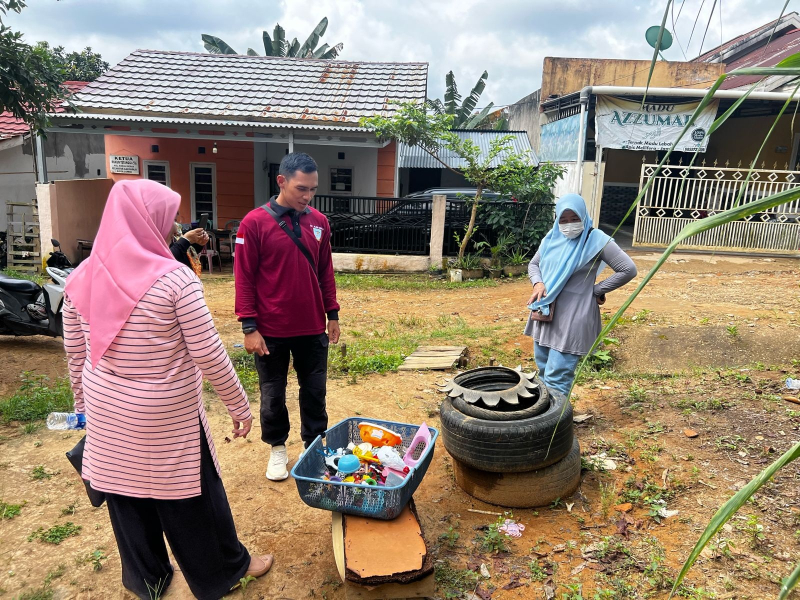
462 112
276 45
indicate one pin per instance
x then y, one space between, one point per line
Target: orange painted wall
234 169
386 169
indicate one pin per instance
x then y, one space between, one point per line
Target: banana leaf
311 43
251 52
216 46
477 120
267 43
471 101
333 52
294 47
278 41
451 96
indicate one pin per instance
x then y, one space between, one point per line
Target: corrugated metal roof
769 56
253 88
65 118
414 157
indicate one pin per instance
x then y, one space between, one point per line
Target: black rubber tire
523 490
500 412
509 446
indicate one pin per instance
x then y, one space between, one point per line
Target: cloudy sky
508 38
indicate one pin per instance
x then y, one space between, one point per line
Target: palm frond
216 46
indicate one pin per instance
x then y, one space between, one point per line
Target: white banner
655 126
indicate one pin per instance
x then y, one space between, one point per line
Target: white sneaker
303 451
278 459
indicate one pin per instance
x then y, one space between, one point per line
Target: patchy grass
56 534
9 511
384 348
35 277
245 366
352 281
453 582
36 398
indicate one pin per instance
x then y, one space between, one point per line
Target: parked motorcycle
26 308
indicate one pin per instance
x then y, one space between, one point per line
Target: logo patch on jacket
317 232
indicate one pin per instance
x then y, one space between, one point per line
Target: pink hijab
129 254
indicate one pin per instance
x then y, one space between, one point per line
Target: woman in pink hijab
139 341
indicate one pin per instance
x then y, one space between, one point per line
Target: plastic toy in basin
349 464
377 435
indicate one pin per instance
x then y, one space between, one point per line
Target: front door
204 191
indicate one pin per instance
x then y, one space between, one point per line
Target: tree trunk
471 226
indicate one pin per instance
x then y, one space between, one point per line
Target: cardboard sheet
375 548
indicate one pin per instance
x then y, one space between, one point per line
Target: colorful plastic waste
378 435
417 446
349 464
512 528
389 457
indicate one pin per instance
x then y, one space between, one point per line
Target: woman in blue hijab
563 274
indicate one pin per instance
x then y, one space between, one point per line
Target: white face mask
571 230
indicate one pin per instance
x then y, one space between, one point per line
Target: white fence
680 195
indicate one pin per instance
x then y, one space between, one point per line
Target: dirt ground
705 348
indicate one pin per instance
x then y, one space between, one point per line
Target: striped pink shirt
143 401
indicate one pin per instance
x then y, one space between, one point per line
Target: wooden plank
433 357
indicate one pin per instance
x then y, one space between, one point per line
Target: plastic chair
209 251
226 245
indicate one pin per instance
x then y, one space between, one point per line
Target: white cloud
508 38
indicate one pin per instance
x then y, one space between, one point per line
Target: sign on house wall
655 126
126 165
558 141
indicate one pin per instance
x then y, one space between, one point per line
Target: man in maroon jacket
284 291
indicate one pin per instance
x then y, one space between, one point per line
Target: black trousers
200 532
310 358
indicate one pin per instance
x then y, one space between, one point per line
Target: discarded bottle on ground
60 420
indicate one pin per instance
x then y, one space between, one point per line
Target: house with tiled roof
214 127
68 156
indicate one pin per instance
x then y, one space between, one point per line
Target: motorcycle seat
19 285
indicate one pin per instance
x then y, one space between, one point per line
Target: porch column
438 211
41 161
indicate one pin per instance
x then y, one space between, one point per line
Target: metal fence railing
403 225
377 225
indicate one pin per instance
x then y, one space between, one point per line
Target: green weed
9 511
56 534
55 574
36 398
452 582
349 281
39 473
40 593
245 367
450 537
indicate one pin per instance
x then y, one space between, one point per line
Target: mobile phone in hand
203 221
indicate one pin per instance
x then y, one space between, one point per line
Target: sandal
267 559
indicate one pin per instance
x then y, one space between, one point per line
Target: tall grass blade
728 509
657 49
789 583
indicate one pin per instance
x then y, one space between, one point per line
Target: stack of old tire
511 438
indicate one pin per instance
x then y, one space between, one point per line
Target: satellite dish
651 35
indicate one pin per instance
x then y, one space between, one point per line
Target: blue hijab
560 256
